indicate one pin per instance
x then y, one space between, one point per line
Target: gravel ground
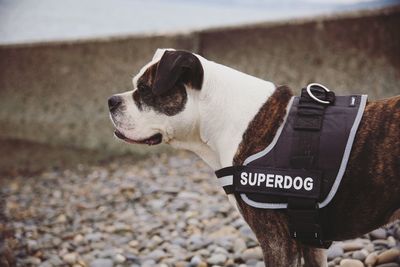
162 211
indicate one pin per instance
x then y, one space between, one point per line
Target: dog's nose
114 102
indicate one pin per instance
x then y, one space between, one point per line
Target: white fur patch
214 119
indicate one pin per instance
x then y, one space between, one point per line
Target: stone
239 245
56 241
149 263
388 256
197 242
219 250
246 231
45 264
391 264
352 245
94 237
360 255
230 263
102 263
371 259
195 260
32 245
134 243
61 218
70 258
252 253
180 264
78 239
217 259
351 263
391 242
156 254
55 260
251 262
381 243
379 233
223 232
334 251
32 261
118 258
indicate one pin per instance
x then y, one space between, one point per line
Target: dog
224 116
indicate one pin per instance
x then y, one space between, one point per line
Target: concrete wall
55 93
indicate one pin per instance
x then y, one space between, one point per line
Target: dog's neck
228 101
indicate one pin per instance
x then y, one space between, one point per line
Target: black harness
301 169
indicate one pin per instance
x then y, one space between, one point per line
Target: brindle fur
170 103
367 197
162 85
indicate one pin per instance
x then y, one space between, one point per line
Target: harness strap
225 178
304 217
300 178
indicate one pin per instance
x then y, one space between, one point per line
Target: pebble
119 258
121 214
70 258
217 259
388 256
78 239
196 260
334 251
61 218
391 241
252 253
239 245
371 259
134 243
378 234
391 264
352 245
101 263
351 263
55 260
360 255
45 264
32 244
157 254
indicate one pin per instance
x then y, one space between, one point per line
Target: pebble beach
165 210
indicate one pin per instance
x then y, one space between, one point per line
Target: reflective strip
341 171
273 143
226 180
262 205
347 151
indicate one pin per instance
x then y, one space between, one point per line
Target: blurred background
72 195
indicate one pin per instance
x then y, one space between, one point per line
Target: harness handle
308 88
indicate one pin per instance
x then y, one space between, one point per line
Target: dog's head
162 103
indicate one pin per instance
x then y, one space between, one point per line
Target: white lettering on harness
276 181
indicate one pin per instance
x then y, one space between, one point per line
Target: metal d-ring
313 96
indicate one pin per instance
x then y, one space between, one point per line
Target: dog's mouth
152 140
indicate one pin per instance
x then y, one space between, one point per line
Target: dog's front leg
272 231
279 249
314 257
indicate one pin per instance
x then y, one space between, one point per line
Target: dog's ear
177 67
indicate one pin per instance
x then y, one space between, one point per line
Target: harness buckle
308 88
